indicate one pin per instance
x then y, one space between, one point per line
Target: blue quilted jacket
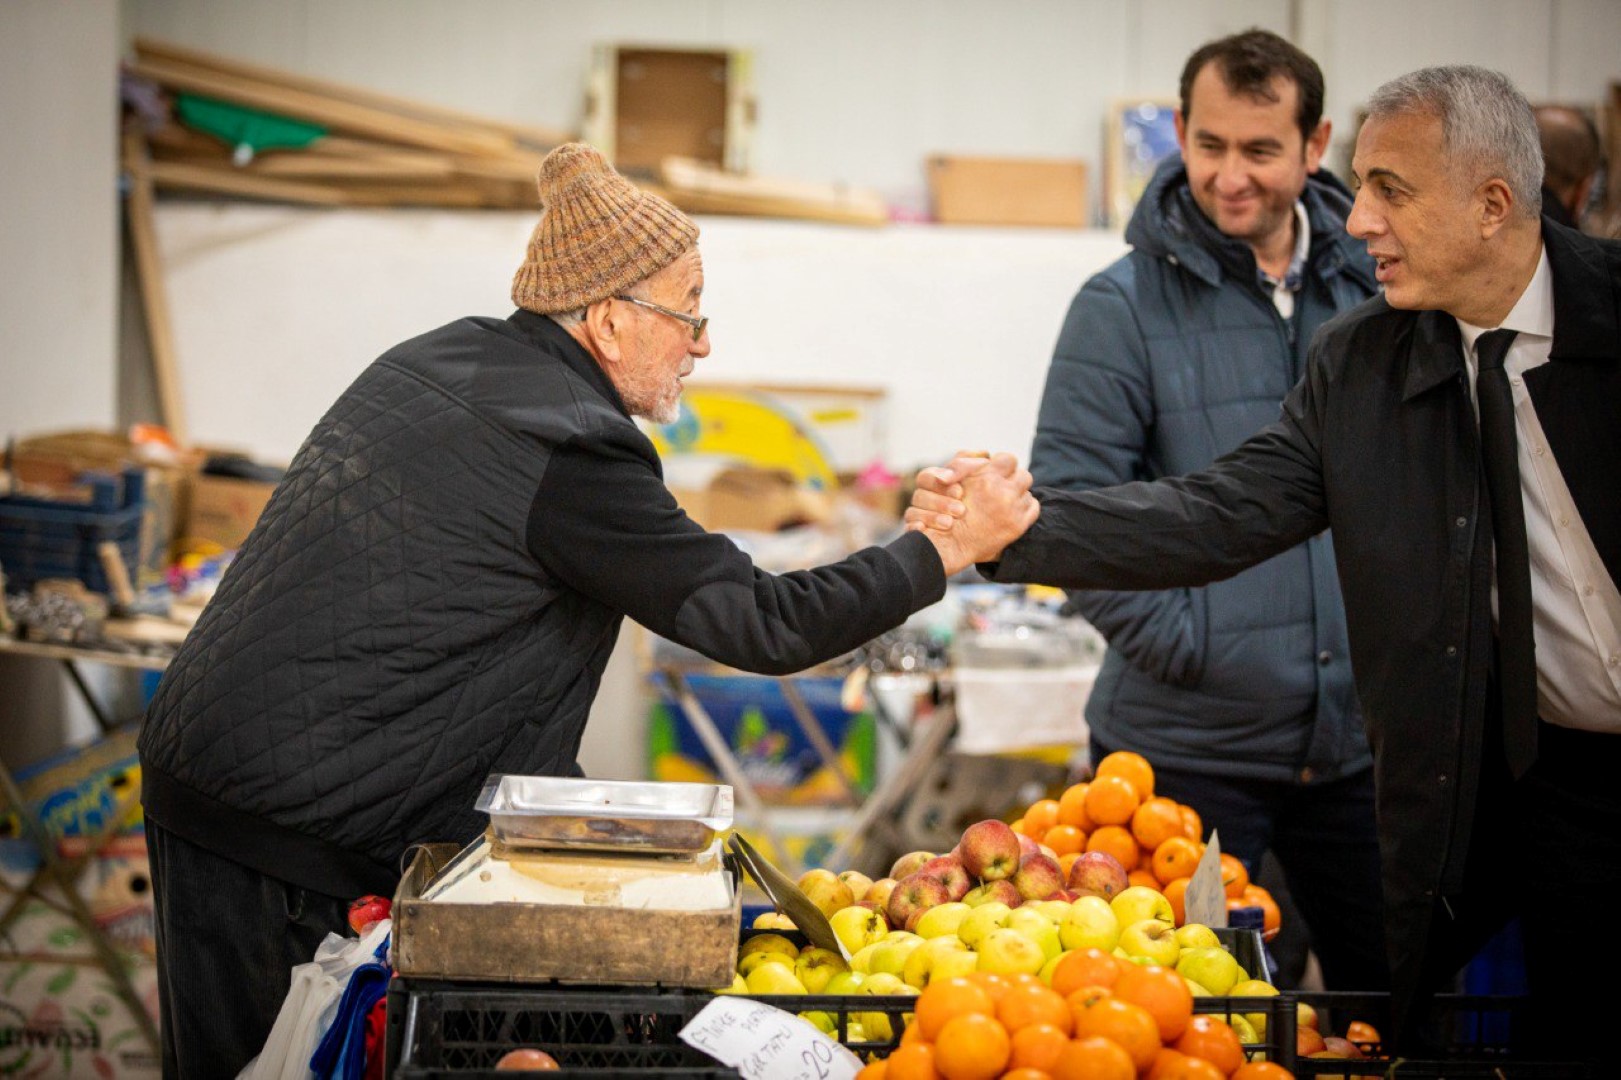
1168 359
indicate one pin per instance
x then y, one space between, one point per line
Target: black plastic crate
1476 1032
45 538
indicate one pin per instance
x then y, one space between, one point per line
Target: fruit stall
598 930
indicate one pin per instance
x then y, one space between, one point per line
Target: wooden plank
228 180
318 109
701 189
154 297
532 134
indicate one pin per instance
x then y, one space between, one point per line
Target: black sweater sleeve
604 524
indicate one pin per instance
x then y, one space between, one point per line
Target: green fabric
239 126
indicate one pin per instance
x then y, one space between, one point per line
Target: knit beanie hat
598 234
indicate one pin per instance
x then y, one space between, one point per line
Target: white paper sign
1206 898
765 1043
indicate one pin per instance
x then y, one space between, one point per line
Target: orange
972 1047
1027 1074
1235 876
1192 825
1065 840
944 1000
912 1034
1210 1037
1156 821
1183 1067
1133 767
914 1062
1164 1061
1145 878
1161 992
1176 858
1017 826
1094 1058
1037 1046
1262 1070
1364 1034
1033 1003
1085 967
874 1070
1072 808
1120 1022
992 983
1042 815
1176 892
1067 861
1272 917
1111 800
1115 841
1145 861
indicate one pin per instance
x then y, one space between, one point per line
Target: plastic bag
312 1004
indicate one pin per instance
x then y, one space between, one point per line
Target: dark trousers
1325 838
227 939
1546 848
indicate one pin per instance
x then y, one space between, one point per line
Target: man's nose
1361 222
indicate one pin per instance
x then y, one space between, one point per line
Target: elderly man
1462 436
433 592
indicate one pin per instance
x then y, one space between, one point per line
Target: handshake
973 507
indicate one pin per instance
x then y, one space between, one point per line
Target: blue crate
47 538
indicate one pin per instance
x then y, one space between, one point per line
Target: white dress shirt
1576 608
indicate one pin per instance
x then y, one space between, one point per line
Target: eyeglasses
697 322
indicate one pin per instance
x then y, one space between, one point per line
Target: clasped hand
973 507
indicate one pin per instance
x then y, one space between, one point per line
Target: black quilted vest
384 640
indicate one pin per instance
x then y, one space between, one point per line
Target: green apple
1091 924
926 964
1138 902
1254 988
1009 952
861 961
824 889
755 961
981 921
883 982
1055 910
942 919
768 943
920 965
1215 968
858 927
1153 940
1244 1030
1038 928
845 982
1197 936
889 957
774 979
816 966
821 1021
1047 969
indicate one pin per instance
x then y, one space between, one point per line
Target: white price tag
1206 898
765 1043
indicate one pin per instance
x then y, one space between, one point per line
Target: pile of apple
1361 1039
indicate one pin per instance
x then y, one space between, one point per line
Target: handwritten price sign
765 1043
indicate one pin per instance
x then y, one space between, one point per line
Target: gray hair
1487 127
568 320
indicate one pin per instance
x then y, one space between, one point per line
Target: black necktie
1516 648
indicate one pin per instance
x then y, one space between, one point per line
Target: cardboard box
646 104
224 509
1008 191
558 943
723 497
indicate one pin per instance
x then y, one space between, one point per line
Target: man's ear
605 331
1317 145
1495 200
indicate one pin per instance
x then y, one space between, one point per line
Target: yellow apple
1009 952
816 966
981 921
774 979
1138 902
857 927
1091 924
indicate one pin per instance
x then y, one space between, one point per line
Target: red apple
526 1059
1028 847
909 864
1001 890
878 893
1068 896
1342 1047
1307 1041
915 894
1037 877
950 870
991 850
367 912
1097 873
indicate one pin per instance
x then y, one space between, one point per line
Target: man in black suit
1462 436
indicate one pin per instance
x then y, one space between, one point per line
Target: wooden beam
703 189
533 134
228 180
154 297
318 109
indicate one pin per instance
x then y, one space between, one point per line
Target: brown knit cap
598 234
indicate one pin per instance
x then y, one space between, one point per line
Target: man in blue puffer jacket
1240 692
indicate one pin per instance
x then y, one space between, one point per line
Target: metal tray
604 815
